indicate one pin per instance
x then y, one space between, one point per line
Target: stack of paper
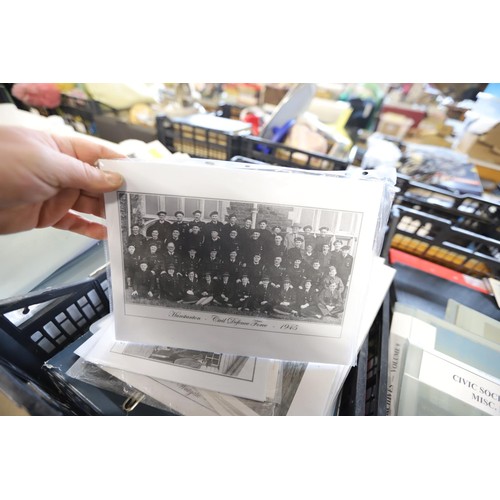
203 357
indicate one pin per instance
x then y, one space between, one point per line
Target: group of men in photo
273 271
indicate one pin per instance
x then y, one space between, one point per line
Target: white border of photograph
107 352
260 337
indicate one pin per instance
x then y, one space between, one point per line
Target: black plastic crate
276 153
219 141
81 112
440 240
35 327
470 212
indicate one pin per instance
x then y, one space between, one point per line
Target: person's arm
44 178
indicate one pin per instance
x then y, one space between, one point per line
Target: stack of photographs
241 281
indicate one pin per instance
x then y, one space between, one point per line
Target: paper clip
132 401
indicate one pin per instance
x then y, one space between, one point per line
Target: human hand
44 178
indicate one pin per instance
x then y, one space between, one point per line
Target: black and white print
242 259
239 258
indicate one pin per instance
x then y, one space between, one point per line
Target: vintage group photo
238 258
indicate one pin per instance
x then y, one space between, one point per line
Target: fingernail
113 178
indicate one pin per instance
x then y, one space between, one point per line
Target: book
434 384
399 335
473 321
459 343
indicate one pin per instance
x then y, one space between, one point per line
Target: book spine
398 343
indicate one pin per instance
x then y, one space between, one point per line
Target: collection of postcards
228 321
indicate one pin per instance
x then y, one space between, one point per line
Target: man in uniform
295 253
170 284
231 243
330 301
156 265
309 237
130 263
345 265
332 277
307 301
266 236
232 266
161 225
213 224
308 256
264 297
206 290
323 239
315 274
180 224
337 253
137 239
196 221
194 237
213 242
277 249
275 273
177 240
143 282
245 231
190 289
254 269
253 246
286 299
296 273
172 257
244 294
224 292
325 258
227 228
289 241
191 263
154 239
212 265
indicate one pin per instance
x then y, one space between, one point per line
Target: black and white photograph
241 259
238 258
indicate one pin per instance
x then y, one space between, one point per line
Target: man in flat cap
170 284
309 237
231 224
286 299
323 239
213 224
291 234
196 220
264 297
244 294
161 225
180 224
224 292
137 239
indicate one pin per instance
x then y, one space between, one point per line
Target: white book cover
436 384
402 326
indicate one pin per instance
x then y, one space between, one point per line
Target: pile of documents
193 359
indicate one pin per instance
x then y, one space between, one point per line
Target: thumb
76 174
75 156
